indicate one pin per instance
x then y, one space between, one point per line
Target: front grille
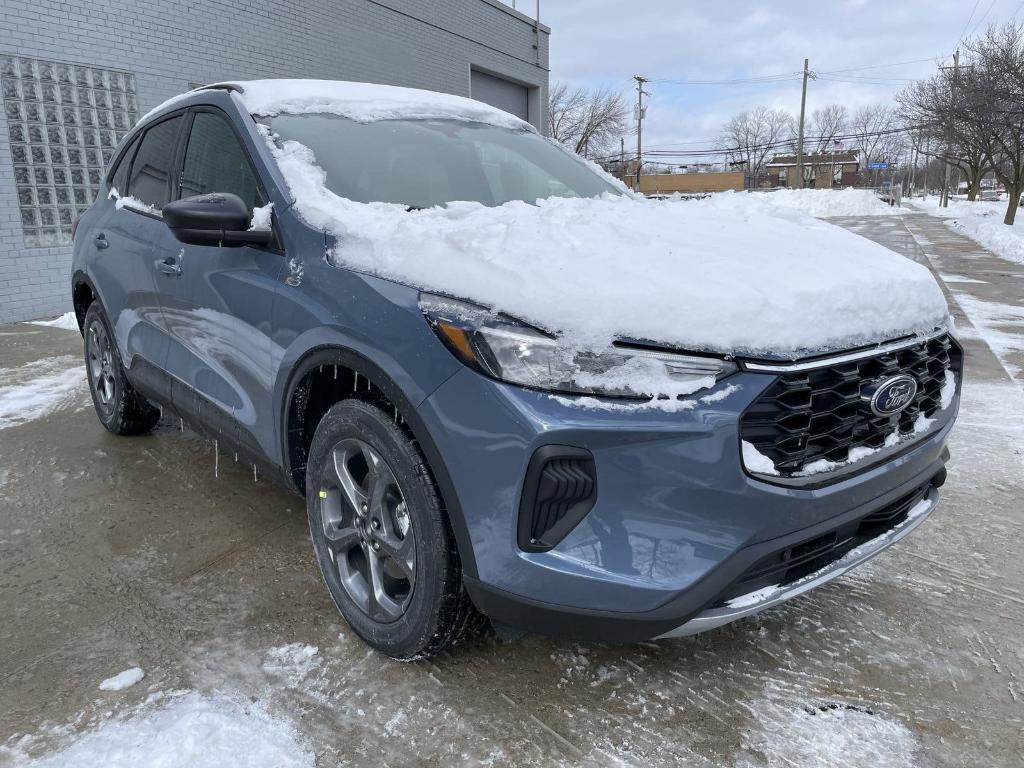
819 414
796 561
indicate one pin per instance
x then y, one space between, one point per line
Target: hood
728 274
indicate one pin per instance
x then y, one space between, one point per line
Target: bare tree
989 94
974 113
826 124
751 137
929 107
588 122
877 133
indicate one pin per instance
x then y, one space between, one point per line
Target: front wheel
119 407
381 537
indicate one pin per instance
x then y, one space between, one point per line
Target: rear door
217 301
123 239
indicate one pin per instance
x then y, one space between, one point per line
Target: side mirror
218 218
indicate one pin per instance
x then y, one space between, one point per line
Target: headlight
511 351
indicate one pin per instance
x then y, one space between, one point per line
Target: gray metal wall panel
167 44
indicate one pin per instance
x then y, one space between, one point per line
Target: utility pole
639 125
800 136
622 158
944 197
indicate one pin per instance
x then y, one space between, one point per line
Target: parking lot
156 552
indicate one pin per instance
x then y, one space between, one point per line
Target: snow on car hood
727 274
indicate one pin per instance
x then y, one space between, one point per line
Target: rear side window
215 161
119 178
149 180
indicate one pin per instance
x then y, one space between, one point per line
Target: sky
606 42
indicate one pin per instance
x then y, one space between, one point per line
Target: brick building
76 76
822 170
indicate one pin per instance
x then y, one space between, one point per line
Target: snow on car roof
365 102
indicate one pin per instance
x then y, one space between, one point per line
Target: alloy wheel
368 530
101 364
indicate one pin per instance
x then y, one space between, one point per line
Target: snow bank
123 680
819 203
983 223
66 322
191 730
725 274
35 389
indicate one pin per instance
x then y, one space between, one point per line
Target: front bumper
755 602
677 521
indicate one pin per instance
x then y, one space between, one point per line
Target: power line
983 17
969 19
781 78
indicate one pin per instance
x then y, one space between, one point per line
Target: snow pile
123 680
819 203
983 223
826 735
191 730
66 322
37 388
712 275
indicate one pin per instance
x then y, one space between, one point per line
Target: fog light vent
560 489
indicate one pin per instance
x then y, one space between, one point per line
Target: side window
119 178
215 161
151 169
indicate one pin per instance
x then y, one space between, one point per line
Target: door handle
168 266
101 241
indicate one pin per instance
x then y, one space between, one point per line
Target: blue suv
447 487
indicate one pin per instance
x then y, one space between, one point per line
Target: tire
381 537
119 407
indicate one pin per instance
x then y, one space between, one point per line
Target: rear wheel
119 407
381 537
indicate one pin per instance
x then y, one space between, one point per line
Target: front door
217 301
123 239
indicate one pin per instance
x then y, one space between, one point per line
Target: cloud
606 42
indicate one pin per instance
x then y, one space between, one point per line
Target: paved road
116 552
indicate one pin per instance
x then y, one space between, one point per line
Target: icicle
236 457
254 473
355 385
216 459
396 414
335 373
182 424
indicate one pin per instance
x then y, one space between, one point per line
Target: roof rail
220 87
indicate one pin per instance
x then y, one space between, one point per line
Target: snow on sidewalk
983 223
66 322
179 730
37 388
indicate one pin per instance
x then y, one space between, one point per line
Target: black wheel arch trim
339 355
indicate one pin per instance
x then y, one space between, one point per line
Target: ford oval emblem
890 396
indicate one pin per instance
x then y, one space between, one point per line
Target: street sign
878 166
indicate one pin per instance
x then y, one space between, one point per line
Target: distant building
822 170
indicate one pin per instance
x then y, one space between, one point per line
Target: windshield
424 163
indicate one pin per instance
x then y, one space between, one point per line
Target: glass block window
64 121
